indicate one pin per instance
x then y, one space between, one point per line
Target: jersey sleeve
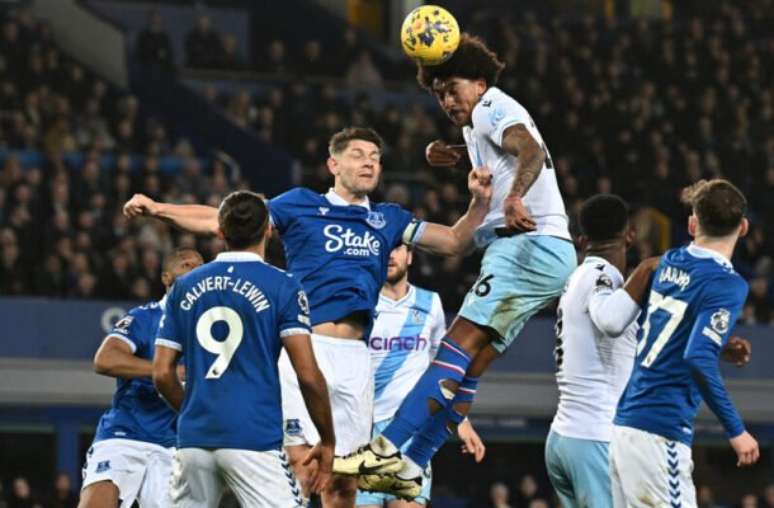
720 308
169 329
281 209
408 230
492 117
294 317
129 329
438 328
611 309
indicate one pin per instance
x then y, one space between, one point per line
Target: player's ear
167 279
693 224
630 236
333 166
583 242
480 87
744 227
221 235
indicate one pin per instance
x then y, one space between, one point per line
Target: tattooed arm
519 142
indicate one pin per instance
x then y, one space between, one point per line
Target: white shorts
346 365
650 470
257 479
141 471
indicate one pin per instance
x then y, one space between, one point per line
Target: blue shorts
381 499
579 471
519 276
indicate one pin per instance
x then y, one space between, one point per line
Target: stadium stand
639 107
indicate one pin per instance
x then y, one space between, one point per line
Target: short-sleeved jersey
405 337
138 412
492 115
227 318
592 367
338 251
695 300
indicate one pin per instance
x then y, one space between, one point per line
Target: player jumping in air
409 326
131 457
338 245
528 257
229 319
694 302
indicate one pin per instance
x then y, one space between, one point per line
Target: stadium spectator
231 58
21 495
203 46
63 495
276 60
153 44
768 496
499 496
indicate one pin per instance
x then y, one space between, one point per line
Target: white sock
410 469
384 446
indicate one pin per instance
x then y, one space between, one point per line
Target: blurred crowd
525 492
19 494
638 107
72 151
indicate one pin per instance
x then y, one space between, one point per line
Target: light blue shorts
381 499
579 471
519 276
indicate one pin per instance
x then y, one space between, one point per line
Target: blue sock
450 363
435 433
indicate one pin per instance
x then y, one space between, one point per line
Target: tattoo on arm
519 142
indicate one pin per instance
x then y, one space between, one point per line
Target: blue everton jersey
338 251
695 300
138 412
227 319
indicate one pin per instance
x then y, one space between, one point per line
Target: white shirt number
224 349
675 309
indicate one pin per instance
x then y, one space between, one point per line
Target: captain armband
413 232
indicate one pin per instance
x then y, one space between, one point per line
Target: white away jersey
493 114
592 368
405 337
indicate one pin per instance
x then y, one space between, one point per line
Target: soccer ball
429 35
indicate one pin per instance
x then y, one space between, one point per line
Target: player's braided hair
472 60
718 205
243 218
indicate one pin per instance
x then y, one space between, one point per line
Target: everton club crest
376 220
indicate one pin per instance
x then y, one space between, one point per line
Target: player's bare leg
304 474
341 493
343 489
102 494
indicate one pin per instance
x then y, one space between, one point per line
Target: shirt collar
405 297
163 301
703 252
337 200
238 256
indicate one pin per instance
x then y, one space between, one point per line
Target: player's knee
344 487
102 494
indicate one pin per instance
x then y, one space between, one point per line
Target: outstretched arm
455 240
197 219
